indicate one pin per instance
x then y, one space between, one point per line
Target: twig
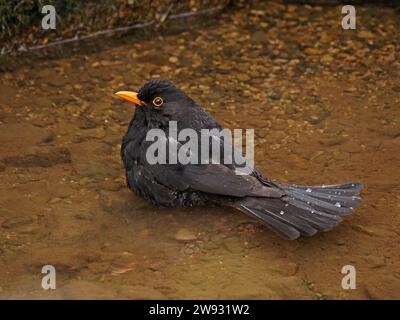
165 17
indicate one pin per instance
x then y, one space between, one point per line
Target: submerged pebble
185 235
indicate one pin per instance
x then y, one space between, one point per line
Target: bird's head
159 95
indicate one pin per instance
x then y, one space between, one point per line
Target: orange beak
130 96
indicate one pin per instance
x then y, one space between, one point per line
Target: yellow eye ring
158 101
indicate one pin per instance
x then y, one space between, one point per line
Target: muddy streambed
324 103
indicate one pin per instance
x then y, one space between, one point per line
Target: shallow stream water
325 106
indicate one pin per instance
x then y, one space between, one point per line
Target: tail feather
347 201
316 204
283 229
304 210
348 189
290 218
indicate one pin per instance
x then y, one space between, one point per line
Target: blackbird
289 209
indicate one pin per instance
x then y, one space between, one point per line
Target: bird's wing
210 178
219 179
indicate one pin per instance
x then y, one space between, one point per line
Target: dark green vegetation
20 20
17 15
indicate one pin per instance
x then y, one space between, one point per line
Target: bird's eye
157 101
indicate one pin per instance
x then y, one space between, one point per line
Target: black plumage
291 210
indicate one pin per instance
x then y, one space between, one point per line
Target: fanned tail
304 210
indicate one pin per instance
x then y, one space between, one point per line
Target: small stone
390 131
313 51
57 81
382 287
55 200
340 242
185 235
325 37
211 246
364 34
326 59
396 88
84 216
110 185
318 295
332 140
173 60
243 77
350 89
41 198
188 251
284 267
363 229
84 181
375 261
16 222
233 245
316 115
257 12
274 96
48 138
86 123
97 133
260 36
